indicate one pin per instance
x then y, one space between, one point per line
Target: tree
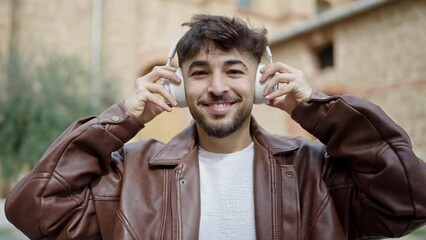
39 98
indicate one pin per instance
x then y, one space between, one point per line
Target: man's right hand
149 98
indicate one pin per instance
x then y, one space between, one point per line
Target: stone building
371 48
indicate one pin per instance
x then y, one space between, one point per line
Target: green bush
39 98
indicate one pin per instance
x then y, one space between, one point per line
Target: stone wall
379 55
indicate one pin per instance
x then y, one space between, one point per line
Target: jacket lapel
177 149
182 153
275 217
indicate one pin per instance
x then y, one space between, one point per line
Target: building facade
372 49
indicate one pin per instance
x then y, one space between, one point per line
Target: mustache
226 97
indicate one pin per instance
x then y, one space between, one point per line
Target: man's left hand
292 90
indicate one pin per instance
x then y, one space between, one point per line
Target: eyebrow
201 63
235 62
198 63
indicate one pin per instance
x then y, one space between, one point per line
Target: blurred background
62 60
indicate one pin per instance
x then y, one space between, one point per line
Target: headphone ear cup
178 91
258 97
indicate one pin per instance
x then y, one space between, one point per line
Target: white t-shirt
227 199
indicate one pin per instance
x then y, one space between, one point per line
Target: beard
214 127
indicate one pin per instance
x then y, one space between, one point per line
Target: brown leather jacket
366 181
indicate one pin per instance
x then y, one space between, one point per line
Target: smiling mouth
218 108
219 104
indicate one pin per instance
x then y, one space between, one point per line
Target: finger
168 98
276 80
152 98
284 89
266 73
299 92
159 89
278 67
169 73
269 71
159 72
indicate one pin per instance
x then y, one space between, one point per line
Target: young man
224 177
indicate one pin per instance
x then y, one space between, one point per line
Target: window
322 6
325 56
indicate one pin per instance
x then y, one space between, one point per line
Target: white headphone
178 91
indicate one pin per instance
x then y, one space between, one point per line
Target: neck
237 141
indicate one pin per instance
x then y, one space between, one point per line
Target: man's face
219 90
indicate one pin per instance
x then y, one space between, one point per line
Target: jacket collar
176 150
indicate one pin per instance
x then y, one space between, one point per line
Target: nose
218 85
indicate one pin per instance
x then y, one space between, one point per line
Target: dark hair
223 33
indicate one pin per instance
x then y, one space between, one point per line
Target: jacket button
289 174
115 118
182 182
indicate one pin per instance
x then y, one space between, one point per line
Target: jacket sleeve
369 153
54 201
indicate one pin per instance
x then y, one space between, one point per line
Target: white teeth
220 105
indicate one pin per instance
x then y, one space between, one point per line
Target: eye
198 73
234 72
